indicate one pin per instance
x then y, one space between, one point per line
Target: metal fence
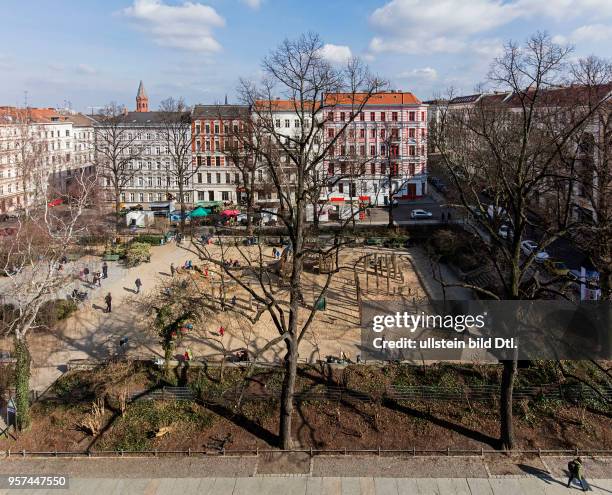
573 392
255 451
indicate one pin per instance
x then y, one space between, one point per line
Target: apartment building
41 150
214 128
151 174
385 147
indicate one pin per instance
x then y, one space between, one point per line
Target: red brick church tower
142 100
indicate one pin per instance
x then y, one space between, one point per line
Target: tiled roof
220 111
387 98
279 105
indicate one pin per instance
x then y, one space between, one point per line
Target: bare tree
32 264
513 146
177 137
298 72
116 147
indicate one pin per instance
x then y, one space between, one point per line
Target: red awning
337 200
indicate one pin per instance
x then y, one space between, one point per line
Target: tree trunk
390 224
505 405
286 412
182 201
22 383
169 349
117 209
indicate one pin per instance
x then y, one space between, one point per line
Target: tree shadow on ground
539 473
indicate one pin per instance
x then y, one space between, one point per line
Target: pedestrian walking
138 285
234 301
104 270
221 331
86 273
108 300
576 472
172 269
96 279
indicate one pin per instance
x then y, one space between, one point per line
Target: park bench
374 241
73 256
110 257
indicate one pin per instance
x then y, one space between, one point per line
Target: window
330 169
218 177
373 168
330 133
423 133
277 123
197 129
296 123
422 116
342 116
226 129
411 133
216 128
362 133
372 149
330 116
352 133
382 134
372 116
199 161
411 116
159 182
209 161
362 150
199 178
209 178
211 195
372 133
150 181
227 178
141 197
394 116
395 133
67 132
361 116
225 196
236 178
217 161
287 123
200 195
340 187
207 127
382 116
383 149
412 150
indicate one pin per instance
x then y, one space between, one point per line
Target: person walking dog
576 472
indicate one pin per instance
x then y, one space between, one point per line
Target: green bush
136 253
153 240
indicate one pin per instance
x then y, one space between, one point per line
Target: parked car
528 247
556 267
416 214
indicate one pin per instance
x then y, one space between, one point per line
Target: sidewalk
326 475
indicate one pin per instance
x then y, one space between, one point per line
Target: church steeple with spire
142 100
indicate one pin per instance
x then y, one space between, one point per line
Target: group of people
231 263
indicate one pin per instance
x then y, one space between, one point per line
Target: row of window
141 197
216 127
412 133
382 116
373 168
218 176
394 150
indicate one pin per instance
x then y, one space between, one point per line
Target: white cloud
418 26
589 33
336 54
424 74
450 26
188 26
254 4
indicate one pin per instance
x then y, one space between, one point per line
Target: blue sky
92 52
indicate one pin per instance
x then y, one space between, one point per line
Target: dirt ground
324 424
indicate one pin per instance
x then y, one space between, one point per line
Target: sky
85 54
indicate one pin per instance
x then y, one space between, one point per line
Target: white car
505 232
528 247
420 214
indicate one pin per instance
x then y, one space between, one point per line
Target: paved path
278 485
323 475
